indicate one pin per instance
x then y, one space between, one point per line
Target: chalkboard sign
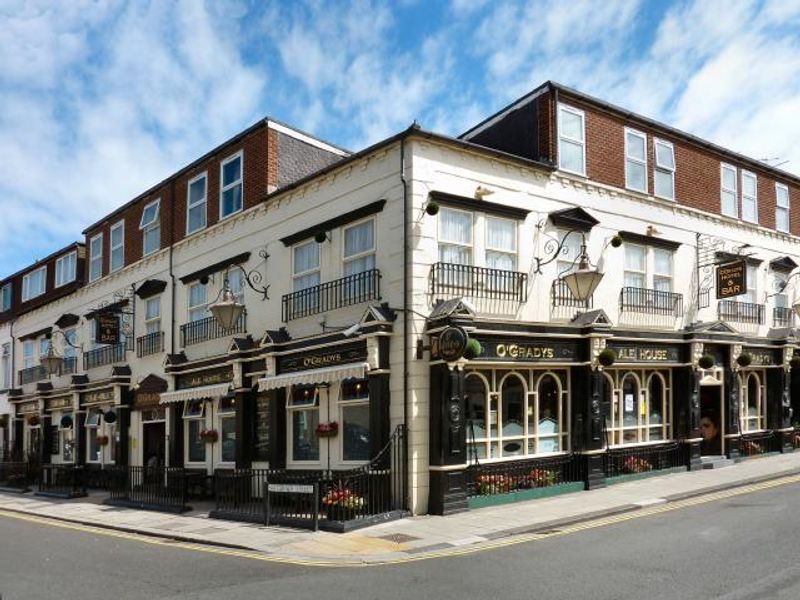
262 419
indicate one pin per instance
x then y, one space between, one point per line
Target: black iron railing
155 488
33 374
66 480
506 477
651 302
759 442
106 355
741 312
314 499
206 329
448 279
152 343
353 289
560 295
642 459
14 475
782 316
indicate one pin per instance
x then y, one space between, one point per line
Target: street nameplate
290 488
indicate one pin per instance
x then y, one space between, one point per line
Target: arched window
548 427
512 412
629 409
477 397
656 408
753 406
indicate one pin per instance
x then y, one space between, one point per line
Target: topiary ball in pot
744 360
473 349
320 237
706 361
66 422
607 357
616 241
109 416
432 208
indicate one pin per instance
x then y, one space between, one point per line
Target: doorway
154 444
712 420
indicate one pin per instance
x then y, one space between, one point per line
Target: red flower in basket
209 436
102 440
327 429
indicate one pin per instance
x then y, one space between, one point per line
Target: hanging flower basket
34 420
607 357
209 436
327 430
103 440
706 361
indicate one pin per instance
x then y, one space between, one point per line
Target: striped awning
315 376
197 393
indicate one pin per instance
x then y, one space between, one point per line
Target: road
745 547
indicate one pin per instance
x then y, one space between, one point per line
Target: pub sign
107 328
731 279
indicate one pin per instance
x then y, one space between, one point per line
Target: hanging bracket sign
452 343
731 279
107 328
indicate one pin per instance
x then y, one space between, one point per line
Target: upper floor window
477 239
231 186
96 257
570 251
305 265
28 354
359 247
70 341
501 243
749 197
455 236
236 284
752 285
150 225
648 267
729 191
152 315
635 160
196 204
117 246
197 302
5 298
571 139
780 297
6 366
781 207
65 268
33 284
664 171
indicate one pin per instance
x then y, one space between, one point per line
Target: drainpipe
171 273
406 335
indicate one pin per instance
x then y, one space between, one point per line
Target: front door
711 420
154 446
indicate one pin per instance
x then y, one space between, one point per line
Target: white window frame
190 307
487 248
657 168
343 405
189 418
26 279
296 274
782 187
95 241
6 293
228 414
581 142
291 408
754 198
735 190
72 257
441 240
240 181
371 251
650 274
639 161
6 366
615 379
156 319
28 354
204 202
119 225
761 403
151 226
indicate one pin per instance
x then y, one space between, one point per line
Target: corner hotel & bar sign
731 279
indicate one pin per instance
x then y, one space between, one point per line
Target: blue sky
100 100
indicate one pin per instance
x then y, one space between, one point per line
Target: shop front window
477 399
753 417
640 405
355 420
630 410
227 426
194 416
513 410
548 416
92 434
304 418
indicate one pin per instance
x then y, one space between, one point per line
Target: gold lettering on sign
99 396
642 354
524 351
321 361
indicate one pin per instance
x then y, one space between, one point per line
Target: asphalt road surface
745 547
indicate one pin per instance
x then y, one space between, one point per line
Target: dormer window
33 284
5 298
231 186
117 246
65 269
150 226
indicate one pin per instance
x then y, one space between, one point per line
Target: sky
100 100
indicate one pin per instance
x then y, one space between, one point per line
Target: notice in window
628 402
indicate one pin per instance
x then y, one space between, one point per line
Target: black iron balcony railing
152 343
206 329
561 295
106 355
651 302
741 312
782 316
33 374
447 279
353 289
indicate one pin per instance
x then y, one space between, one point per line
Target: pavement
413 537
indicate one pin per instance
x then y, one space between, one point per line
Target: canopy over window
197 393
315 376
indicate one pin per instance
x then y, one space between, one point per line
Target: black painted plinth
595 471
691 450
448 492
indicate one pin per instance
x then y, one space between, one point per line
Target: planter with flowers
209 436
342 504
751 448
34 420
103 440
327 430
634 464
539 478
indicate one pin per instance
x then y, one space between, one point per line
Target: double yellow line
449 552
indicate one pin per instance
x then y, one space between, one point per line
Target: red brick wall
544 111
697 170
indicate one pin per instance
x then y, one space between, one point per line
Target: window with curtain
198 301
752 285
664 171
152 314
635 266
501 244
28 358
571 140
455 236
359 247
236 284
96 257
749 197
305 265
729 194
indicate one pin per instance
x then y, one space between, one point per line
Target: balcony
563 305
106 355
782 316
448 280
353 289
152 343
741 312
32 375
206 329
650 302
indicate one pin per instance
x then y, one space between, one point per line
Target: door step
716 462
